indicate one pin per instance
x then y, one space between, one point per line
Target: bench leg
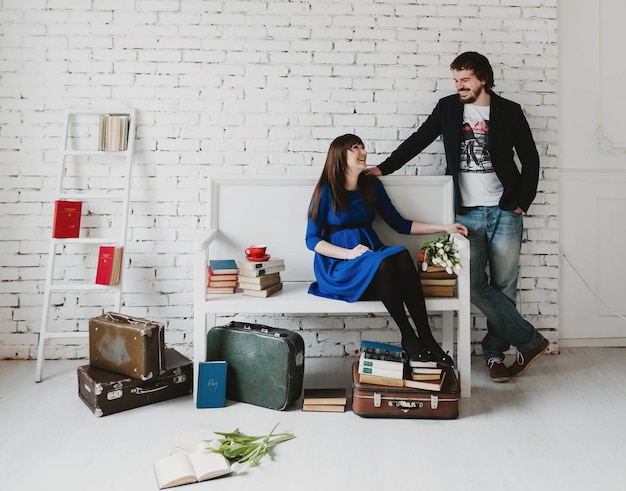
464 352
447 341
202 323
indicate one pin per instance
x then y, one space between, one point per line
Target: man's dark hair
471 60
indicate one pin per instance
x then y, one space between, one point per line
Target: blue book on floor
211 384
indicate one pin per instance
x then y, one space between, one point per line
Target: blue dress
347 279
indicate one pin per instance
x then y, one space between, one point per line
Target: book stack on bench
222 276
260 278
385 364
436 282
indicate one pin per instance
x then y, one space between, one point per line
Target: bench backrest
272 210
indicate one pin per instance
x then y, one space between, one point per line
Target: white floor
560 426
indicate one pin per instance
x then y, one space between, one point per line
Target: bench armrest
202 245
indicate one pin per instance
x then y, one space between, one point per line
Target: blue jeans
495 241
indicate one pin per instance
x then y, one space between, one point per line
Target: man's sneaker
498 370
525 358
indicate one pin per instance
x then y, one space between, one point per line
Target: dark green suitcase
265 364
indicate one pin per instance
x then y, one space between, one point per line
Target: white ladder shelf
80 143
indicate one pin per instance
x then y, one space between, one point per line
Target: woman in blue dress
350 261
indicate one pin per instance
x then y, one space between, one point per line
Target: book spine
378 380
376 363
380 372
375 348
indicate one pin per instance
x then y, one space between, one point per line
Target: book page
173 470
209 464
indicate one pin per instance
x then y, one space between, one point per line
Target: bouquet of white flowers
440 252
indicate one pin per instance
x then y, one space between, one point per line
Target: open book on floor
186 468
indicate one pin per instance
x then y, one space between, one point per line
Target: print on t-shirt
479 184
474 153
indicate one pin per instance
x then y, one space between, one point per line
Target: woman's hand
457 228
357 251
325 248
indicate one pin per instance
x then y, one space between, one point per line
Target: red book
109 265
66 220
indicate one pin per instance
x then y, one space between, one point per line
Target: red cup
256 251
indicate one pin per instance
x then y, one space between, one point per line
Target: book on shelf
381 350
185 468
329 396
211 384
270 290
253 265
251 273
220 289
366 378
223 266
258 282
222 284
433 385
113 135
66 219
220 281
109 265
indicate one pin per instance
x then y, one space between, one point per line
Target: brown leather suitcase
106 392
128 345
380 401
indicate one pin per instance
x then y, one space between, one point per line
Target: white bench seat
235 222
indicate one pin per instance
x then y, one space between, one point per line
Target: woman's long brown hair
334 175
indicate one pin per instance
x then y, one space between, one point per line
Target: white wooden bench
246 209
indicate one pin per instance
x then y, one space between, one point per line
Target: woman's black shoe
442 358
418 354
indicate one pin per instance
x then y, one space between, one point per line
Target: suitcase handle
258 328
114 316
141 390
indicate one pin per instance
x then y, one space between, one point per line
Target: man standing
481 131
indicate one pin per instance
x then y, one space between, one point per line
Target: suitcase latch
377 398
114 394
405 406
179 379
434 401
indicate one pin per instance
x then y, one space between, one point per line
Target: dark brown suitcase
106 392
128 345
380 401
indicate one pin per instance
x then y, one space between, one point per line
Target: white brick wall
259 87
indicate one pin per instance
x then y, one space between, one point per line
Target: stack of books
260 278
425 375
381 364
385 364
325 400
222 276
436 282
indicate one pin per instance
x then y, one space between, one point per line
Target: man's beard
470 96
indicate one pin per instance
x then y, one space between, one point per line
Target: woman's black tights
396 284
